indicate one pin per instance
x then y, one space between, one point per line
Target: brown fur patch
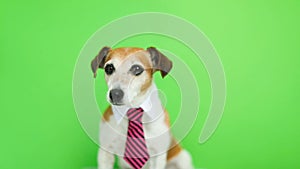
174 146
167 118
121 53
174 151
108 112
147 83
148 70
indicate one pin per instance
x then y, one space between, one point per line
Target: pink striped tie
136 153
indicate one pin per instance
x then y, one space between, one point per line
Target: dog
129 77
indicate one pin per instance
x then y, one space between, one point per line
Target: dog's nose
116 95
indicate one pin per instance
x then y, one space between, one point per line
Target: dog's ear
98 61
159 61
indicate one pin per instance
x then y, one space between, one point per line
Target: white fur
182 161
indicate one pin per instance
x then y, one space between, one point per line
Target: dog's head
129 72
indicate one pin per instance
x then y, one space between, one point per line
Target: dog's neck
151 106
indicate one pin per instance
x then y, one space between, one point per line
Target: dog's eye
136 70
109 69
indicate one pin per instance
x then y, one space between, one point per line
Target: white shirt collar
151 106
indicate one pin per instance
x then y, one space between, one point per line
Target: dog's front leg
105 160
158 162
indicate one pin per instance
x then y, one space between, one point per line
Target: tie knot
135 114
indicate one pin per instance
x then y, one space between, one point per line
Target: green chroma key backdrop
257 42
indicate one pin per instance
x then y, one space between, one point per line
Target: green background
257 41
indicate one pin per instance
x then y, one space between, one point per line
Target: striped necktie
136 153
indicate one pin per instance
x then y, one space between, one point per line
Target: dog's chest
113 135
